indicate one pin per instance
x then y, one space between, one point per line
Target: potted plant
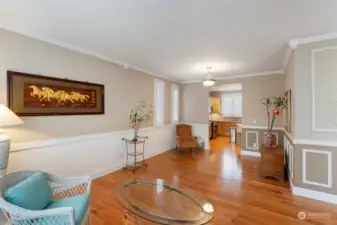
139 115
273 106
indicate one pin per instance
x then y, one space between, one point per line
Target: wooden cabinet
221 129
272 163
215 104
224 127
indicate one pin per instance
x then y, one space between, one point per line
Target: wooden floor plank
229 181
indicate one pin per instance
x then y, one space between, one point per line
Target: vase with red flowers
140 115
273 107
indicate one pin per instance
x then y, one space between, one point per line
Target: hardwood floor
229 181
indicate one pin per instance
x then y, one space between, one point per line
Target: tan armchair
184 137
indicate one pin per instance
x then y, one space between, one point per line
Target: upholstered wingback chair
184 137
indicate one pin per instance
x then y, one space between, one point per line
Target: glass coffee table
155 202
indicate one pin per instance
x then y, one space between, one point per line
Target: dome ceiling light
208 82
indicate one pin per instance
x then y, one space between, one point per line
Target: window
159 98
175 103
231 104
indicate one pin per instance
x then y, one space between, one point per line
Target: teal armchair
39 198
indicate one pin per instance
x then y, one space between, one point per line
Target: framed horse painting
36 95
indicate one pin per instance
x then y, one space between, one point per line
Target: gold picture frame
287 120
36 95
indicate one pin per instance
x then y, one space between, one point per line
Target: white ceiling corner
294 43
176 39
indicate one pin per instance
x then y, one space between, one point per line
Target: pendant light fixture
209 82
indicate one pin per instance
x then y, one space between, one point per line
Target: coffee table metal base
135 167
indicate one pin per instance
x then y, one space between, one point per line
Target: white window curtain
231 104
175 103
159 98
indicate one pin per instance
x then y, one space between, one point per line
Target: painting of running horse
36 95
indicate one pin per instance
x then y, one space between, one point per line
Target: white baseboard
250 153
101 173
316 195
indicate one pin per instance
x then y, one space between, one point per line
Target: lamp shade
7 117
209 82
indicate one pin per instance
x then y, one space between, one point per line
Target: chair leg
89 219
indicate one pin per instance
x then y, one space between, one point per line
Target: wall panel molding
313 74
257 140
304 167
289 148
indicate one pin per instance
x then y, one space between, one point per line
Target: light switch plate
254 121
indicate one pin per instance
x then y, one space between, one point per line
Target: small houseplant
273 106
139 115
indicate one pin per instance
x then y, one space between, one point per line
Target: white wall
93 155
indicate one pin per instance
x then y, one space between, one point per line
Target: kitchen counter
223 128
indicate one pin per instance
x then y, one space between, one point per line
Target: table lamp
7 118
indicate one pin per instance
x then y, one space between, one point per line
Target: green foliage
273 103
141 114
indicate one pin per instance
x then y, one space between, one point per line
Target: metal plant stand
135 153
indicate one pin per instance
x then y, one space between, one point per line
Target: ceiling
174 38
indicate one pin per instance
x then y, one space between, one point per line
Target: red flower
276 112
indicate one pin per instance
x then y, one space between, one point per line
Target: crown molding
74 48
294 43
287 57
266 73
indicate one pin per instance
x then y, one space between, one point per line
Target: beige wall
123 88
324 94
311 74
194 98
194 103
253 90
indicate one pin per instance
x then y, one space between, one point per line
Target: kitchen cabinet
215 104
223 128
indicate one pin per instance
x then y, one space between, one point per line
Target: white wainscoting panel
94 155
304 167
291 161
256 133
290 152
201 130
